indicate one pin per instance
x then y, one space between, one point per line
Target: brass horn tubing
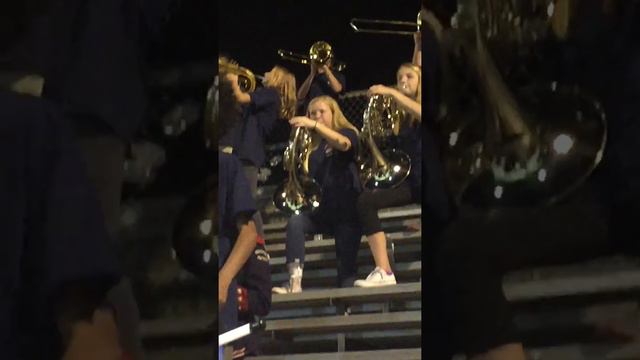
375 152
240 71
295 145
388 22
289 55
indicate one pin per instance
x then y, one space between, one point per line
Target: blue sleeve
242 201
353 137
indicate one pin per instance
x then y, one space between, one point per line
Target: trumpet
246 78
320 53
414 26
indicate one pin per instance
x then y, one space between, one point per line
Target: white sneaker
377 277
285 289
295 282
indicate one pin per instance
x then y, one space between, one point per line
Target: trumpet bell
396 170
293 201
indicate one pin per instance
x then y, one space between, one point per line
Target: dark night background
251 32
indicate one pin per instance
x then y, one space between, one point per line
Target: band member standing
332 164
261 109
322 80
236 206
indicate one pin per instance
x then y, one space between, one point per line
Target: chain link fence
353 105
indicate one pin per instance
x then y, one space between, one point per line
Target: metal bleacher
559 309
324 322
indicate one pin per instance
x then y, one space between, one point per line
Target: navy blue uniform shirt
337 174
234 200
248 137
51 226
320 85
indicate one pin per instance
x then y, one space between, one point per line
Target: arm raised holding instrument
320 122
334 83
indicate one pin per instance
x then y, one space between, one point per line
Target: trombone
320 53
371 30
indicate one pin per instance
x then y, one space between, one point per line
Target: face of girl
320 111
269 77
407 81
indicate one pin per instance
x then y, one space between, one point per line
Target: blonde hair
285 83
338 120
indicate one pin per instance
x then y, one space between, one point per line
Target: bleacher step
174 327
606 275
360 322
404 354
328 260
384 214
329 297
409 271
316 246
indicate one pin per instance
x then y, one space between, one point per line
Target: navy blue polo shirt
51 223
234 200
321 86
259 117
337 173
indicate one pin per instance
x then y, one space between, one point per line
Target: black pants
104 158
370 202
479 247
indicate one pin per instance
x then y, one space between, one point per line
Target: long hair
285 83
339 121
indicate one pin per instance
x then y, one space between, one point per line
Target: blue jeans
347 237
